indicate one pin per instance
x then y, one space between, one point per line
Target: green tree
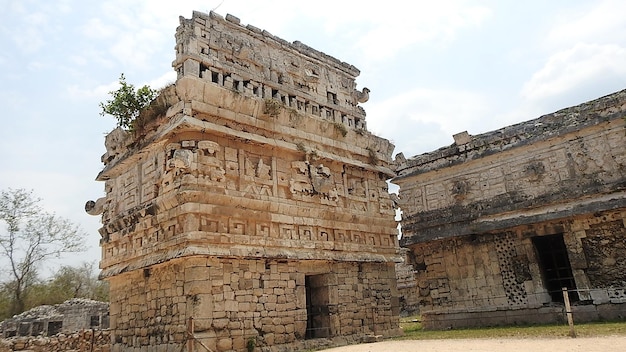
31 237
68 282
127 103
5 302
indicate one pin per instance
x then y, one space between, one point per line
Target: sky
434 69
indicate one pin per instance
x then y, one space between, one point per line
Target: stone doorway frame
317 290
556 269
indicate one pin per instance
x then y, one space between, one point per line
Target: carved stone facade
256 204
498 223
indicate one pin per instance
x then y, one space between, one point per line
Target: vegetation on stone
126 103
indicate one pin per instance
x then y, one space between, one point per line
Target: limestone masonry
250 198
74 325
248 210
497 224
67 317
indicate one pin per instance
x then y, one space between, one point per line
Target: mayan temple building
497 224
249 208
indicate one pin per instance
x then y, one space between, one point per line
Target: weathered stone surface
481 216
256 203
68 317
87 340
562 164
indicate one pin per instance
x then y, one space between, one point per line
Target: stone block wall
285 206
256 204
495 279
526 169
255 62
408 289
233 301
86 340
68 317
483 218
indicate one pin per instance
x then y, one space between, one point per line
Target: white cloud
585 51
101 92
28 29
424 22
573 68
422 120
11 100
164 80
595 22
378 31
95 28
133 33
29 39
453 111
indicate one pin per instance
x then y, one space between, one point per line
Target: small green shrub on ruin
127 103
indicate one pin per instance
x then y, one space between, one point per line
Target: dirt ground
580 344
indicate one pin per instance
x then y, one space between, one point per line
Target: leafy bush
127 103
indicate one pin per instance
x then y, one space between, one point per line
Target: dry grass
413 331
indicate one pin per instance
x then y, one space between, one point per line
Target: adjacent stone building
497 224
47 320
251 198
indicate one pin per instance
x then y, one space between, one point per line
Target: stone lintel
419 233
248 252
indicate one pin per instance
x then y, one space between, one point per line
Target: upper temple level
253 61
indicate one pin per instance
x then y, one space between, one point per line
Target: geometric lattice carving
508 260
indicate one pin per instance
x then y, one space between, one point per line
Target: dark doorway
554 262
317 313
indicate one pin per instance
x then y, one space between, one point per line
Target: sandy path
580 344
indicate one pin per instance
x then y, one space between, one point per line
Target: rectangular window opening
54 327
555 266
215 77
94 321
24 329
331 97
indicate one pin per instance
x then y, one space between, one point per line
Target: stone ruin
497 224
406 284
67 317
249 207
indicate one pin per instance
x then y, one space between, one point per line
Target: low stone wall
86 340
68 317
544 315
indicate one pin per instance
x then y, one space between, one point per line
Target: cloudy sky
434 68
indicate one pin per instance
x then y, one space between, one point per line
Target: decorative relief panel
313 180
357 187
